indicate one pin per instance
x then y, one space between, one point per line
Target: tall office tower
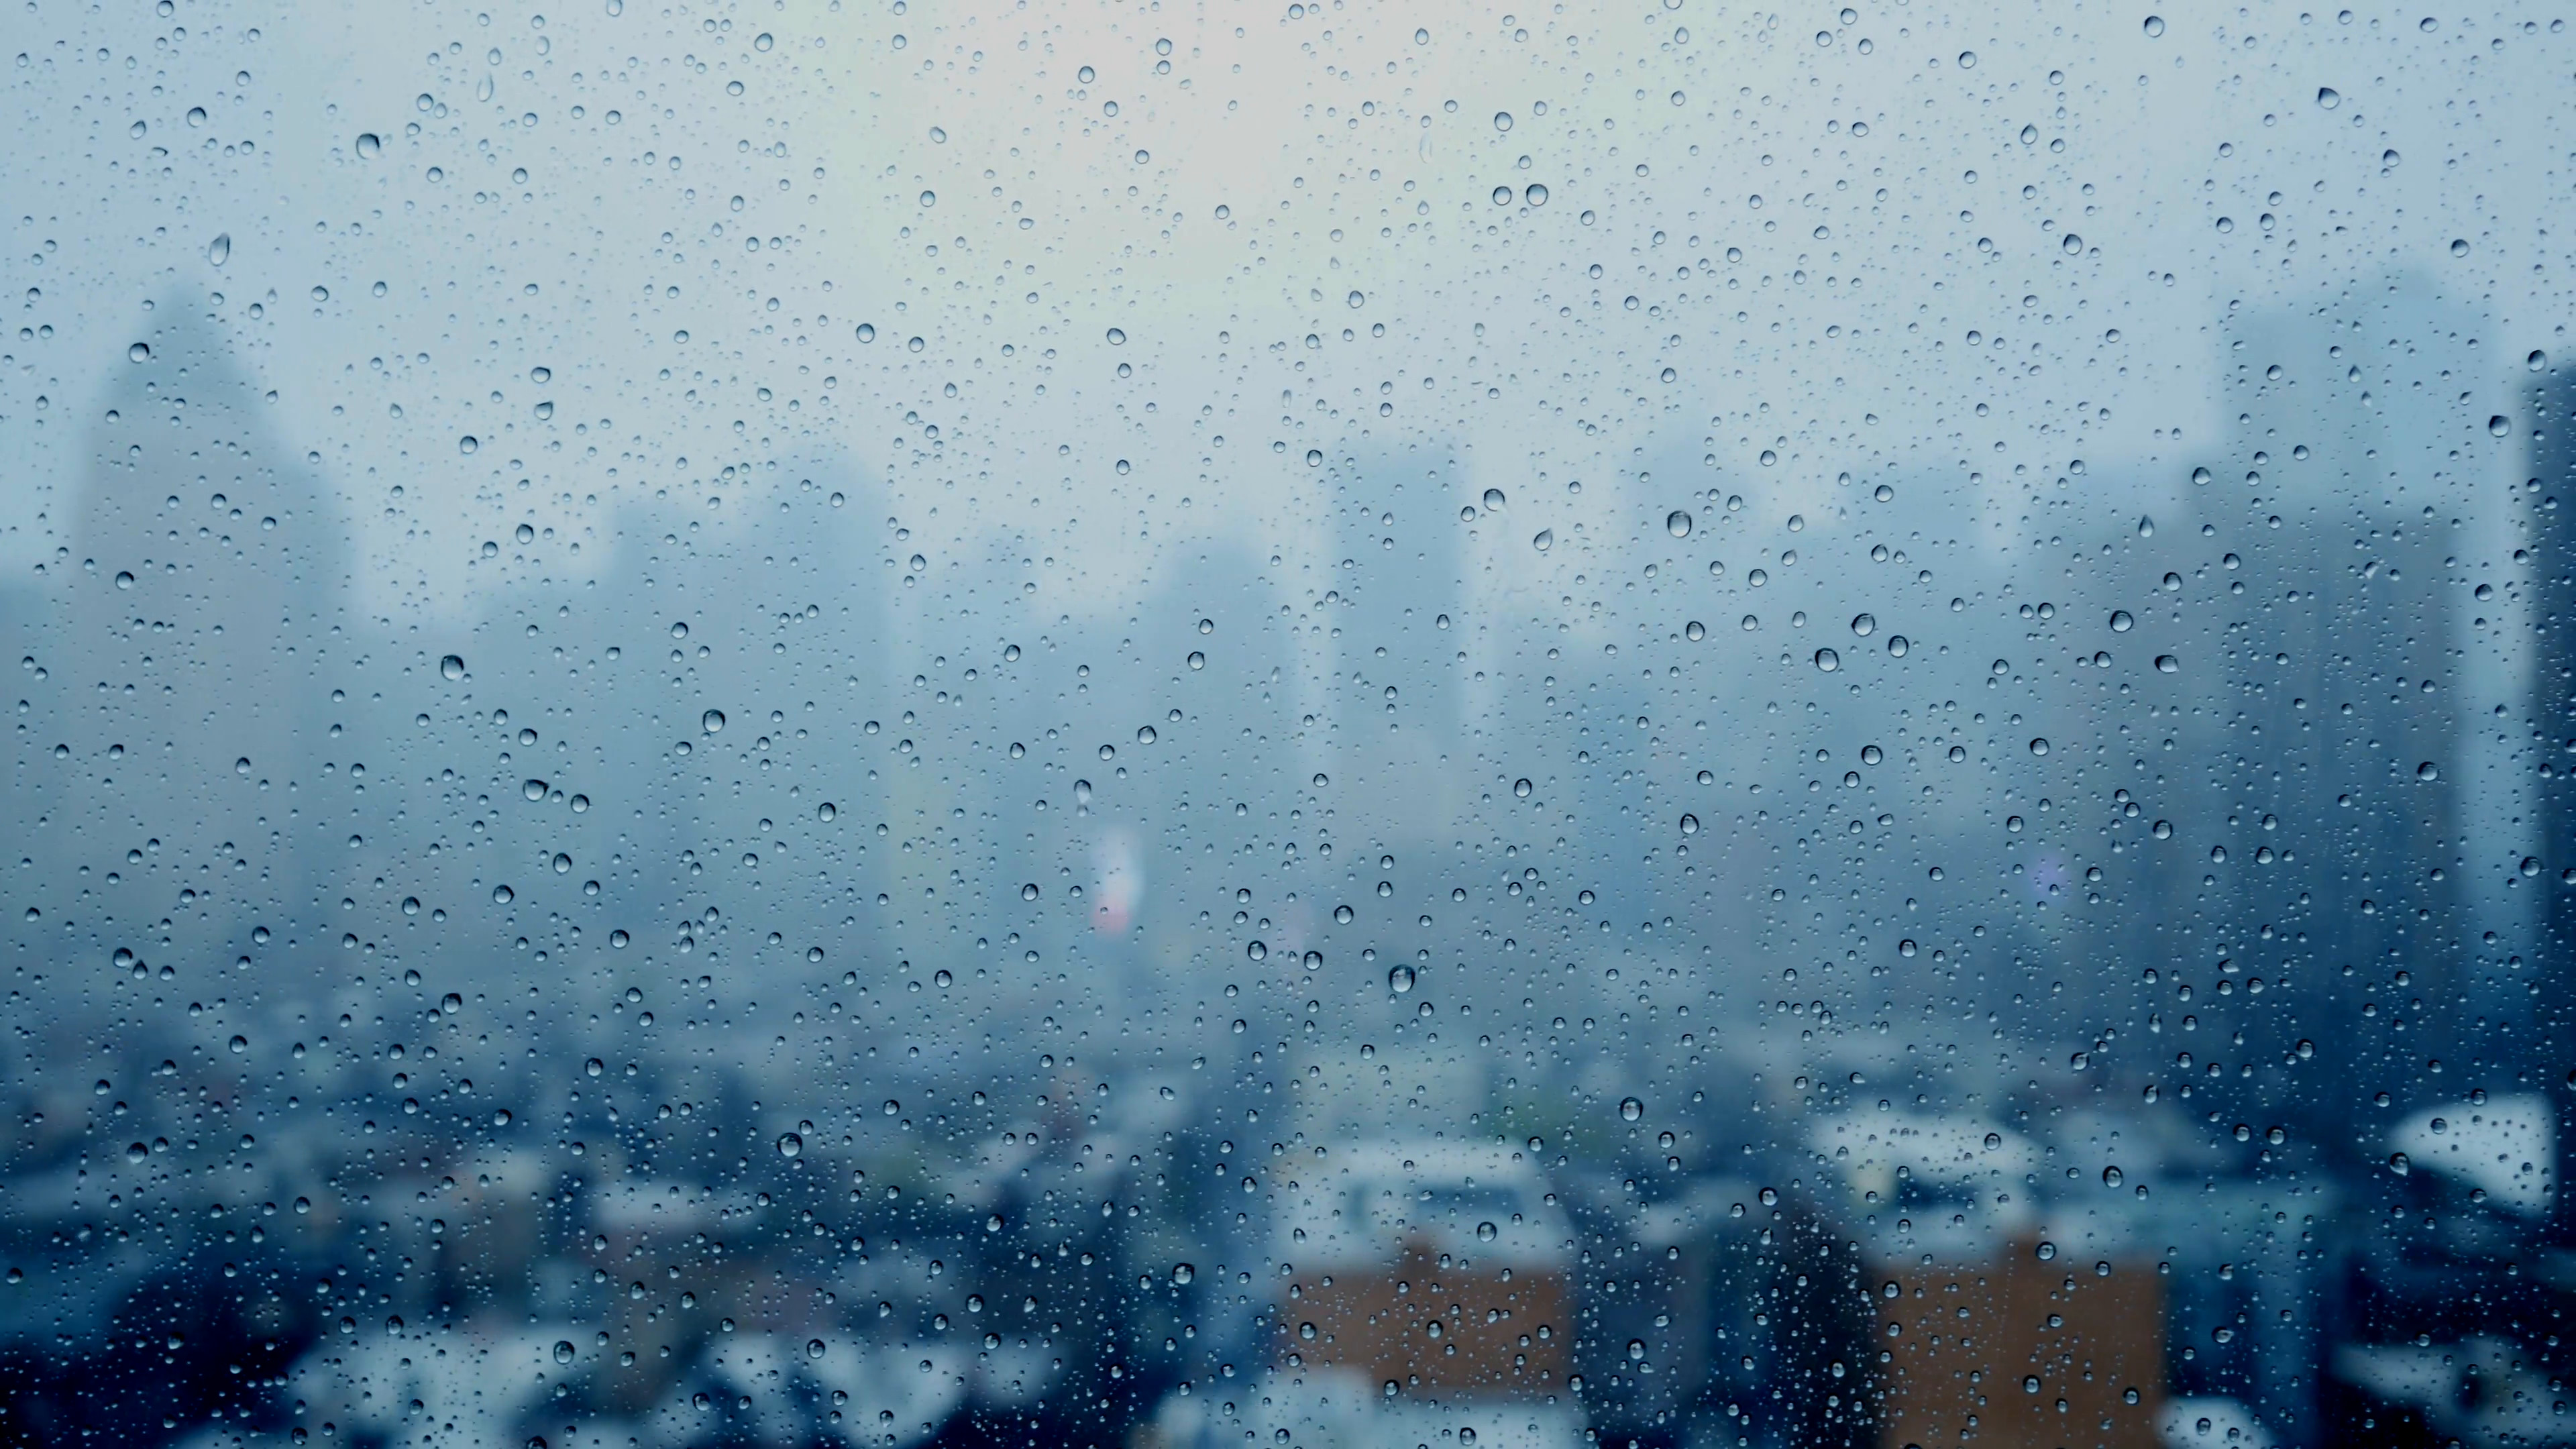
2550 495
1391 605
204 632
2330 589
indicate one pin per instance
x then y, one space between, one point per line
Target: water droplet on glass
2047 1250
1197 660
563 1350
1502 120
1502 196
1182 1273
1257 951
2111 1177
1826 659
1117 337
1630 1109
2398 1164
2537 360
2122 621
2155 26
1314 457
1897 645
2167 664
712 721
368 145
2146 526
1536 195
2039 746
1690 825
1543 540
1864 625
2328 97
220 250
2428 772
1494 496
502 895
1399 979
789 1144
1521 788
2071 244
1694 631
1487 1232
1677 523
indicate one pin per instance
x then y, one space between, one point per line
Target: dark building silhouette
2550 494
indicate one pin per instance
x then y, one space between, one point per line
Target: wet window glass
896 724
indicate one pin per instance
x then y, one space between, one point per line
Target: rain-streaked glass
1145 726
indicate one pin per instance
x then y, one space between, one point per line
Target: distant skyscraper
2551 496
204 630
1396 696
2332 594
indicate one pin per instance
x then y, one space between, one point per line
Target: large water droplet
2398 1164
1399 979
2122 621
2167 664
2328 97
1494 496
712 721
1630 1109
368 145
2039 746
1826 659
1117 336
1864 625
1502 120
452 667
220 250
2047 1251
1690 825
1543 540
1183 1273
790 1145
2111 1177
1487 1232
2155 26
563 1350
1677 523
